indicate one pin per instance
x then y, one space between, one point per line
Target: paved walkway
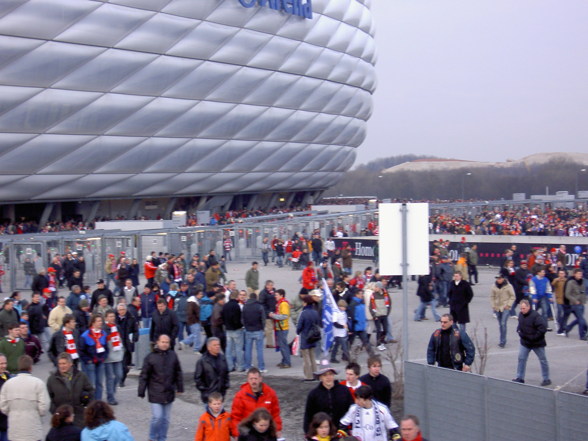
568 357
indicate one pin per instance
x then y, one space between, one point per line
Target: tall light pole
463 185
582 170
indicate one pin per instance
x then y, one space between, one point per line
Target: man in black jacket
82 315
101 290
161 376
267 298
231 314
38 319
532 328
254 322
329 396
379 383
164 321
212 372
129 334
40 282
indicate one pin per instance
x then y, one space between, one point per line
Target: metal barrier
22 256
455 405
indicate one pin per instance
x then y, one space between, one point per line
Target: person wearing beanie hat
82 315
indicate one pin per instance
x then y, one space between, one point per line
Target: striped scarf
70 344
114 337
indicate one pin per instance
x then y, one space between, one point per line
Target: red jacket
149 270
212 428
245 402
309 278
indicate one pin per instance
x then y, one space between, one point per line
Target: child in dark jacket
259 426
62 426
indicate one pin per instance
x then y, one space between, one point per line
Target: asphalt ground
568 358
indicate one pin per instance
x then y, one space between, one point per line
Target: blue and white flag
329 309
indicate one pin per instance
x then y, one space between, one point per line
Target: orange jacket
211 428
246 401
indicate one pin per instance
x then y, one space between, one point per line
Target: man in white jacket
25 400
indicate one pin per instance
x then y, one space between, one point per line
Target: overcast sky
479 79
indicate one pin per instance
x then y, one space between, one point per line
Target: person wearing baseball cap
329 396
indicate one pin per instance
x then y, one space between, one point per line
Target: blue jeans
578 311
563 313
257 337
280 260
3 436
114 373
441 287
95 373
502 317
181 327
524 355
420 312
146 321
110 278
234 351
282 342
461 327
344 343
194 338
160 414
316 257
543 303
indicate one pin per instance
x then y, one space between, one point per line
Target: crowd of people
90 333
541 285
189 304
523 221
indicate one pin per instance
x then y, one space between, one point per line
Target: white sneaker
318 362
180 346
514 317
562 334
382 347
263 371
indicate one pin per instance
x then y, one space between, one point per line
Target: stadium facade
137 107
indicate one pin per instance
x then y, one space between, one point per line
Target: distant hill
421 177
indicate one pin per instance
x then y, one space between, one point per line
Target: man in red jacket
252 395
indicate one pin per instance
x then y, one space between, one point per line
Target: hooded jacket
77 393
111 431
215 428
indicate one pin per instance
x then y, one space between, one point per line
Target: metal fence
458 406
18 252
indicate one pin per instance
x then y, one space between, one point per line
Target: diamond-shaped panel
140 98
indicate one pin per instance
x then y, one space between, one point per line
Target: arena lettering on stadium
294 7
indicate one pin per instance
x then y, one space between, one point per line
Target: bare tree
394 355
482 349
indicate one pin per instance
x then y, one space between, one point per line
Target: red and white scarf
114 337
95 335
70 344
